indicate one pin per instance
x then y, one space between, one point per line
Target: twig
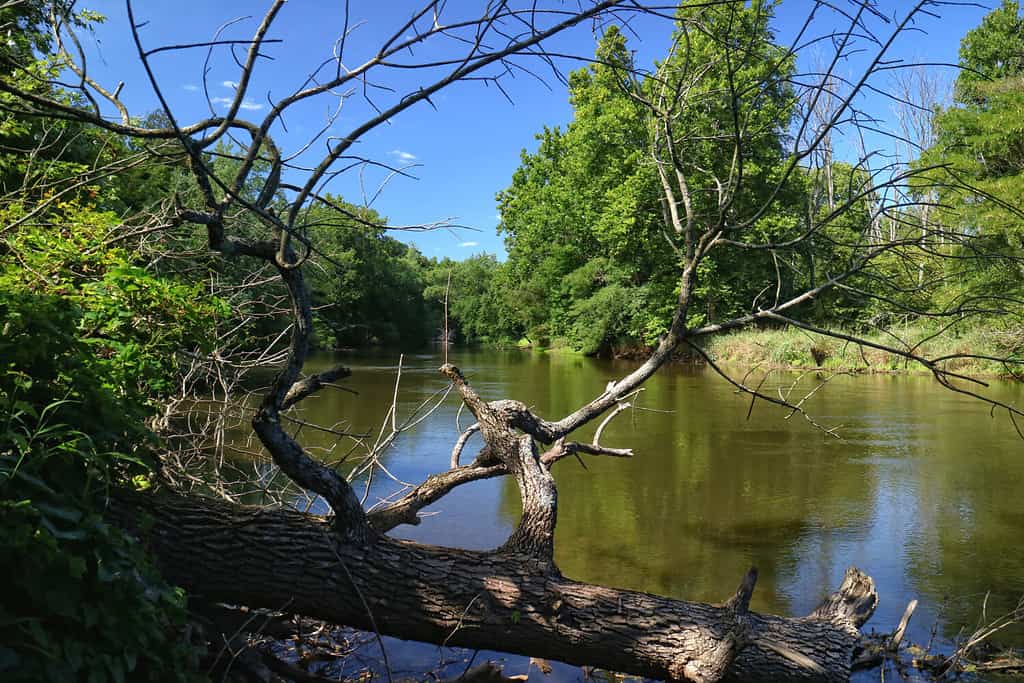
444 340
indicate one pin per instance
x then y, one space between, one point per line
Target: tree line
583 220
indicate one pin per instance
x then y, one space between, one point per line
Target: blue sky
463 152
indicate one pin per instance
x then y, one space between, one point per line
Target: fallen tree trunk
503 600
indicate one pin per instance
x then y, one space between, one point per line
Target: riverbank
970 352
795 349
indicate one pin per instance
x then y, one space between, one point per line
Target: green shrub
89 344
604 318
82 601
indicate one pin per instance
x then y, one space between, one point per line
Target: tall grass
798 349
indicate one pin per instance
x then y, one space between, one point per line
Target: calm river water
925 492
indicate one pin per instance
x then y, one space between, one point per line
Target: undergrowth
971 351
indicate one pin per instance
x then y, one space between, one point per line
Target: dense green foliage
581 218
477 298
591 263
981 141
590 260
367 286
89 344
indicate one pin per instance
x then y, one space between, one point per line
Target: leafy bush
604 318
88 345
95 332
82 601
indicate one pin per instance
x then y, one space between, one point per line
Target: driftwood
281 559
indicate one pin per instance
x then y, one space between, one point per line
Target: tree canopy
979 149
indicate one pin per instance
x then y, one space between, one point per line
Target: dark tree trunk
502 600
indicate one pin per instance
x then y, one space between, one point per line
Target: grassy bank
792 348
795 349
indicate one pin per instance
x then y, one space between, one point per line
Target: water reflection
923 492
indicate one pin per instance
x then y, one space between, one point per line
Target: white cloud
229 84
247 104
469 244
404 157
191 87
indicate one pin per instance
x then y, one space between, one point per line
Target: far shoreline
973 353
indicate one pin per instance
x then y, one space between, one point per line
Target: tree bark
505 600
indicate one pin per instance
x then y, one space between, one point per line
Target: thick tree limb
461 443
286 451
714 665
222 552
535 533
404 510
563 448
518 453
312 384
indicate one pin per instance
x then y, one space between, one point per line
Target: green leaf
64 513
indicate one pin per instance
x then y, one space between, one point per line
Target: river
923 491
